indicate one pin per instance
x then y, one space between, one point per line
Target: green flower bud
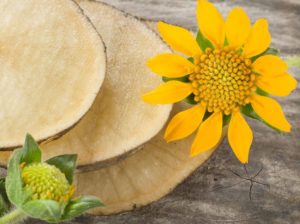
46 182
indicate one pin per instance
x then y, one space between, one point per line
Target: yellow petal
259 39
281 85
270 65
168 93
270 111
211 22
184 123
240 137
179 39
238 27
209 134
170 65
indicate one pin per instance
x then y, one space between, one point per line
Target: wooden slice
52 64
119 121
142 178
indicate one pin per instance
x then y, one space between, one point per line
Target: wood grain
215 193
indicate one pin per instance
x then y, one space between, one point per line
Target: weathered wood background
219 191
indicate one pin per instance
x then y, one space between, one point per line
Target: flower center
223 80
45 181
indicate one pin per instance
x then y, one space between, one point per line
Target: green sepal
80 205
66 164
181 79
46 210
191 59
249 112
190 100
272 51
31 151
261 92
226 119
206 115
203 41
5 204
226 42
13 181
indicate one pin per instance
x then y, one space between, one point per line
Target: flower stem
13 217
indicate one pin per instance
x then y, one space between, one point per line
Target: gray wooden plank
283 15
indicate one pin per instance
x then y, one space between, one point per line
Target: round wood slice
52 65
143 177
119 121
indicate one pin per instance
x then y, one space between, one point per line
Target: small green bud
46 182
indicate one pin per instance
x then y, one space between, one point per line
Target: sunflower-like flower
229 71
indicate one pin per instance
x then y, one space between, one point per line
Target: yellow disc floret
47 182
223 80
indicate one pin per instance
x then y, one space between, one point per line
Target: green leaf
80 205
203 42
181 79
249 112
226 42
261 92
191 59
13 182
190 100
226 120
66 164
47 210
4 201
272 51
31 151
206 115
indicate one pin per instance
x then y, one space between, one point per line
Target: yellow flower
222 79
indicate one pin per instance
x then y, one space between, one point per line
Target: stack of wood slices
72 75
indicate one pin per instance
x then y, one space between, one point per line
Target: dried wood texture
50 71
143 177
119 121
